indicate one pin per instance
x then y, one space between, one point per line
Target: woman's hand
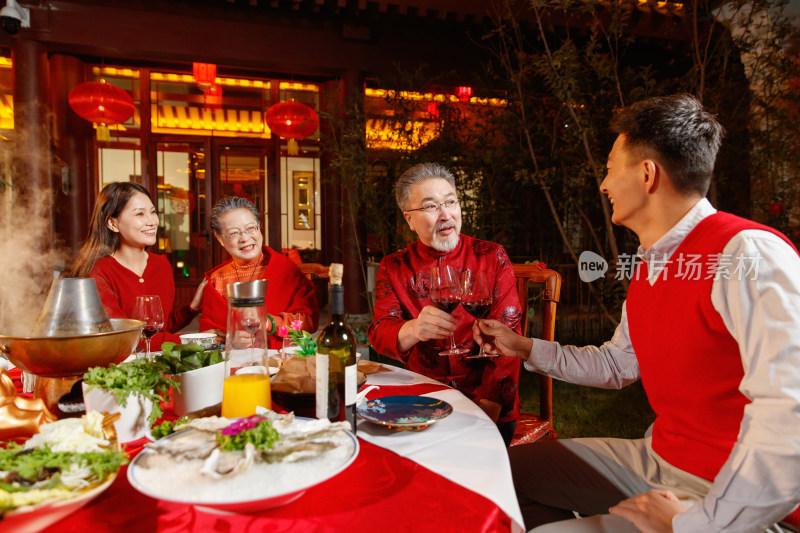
197 301
220 339
498 339
242 340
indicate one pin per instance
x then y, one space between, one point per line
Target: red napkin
405 390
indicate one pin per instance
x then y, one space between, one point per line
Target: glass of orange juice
246 384
243 391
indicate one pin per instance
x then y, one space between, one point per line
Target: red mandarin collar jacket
402 290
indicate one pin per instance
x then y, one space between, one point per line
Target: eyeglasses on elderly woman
235 235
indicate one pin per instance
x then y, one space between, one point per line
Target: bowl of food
204 340
79 462
293 387
198 372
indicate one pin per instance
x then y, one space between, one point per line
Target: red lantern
205 74
101 102
433 110
292 120
212 97
776 208
464 93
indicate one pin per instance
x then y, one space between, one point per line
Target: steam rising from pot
27 254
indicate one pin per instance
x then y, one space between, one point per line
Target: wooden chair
314 270
318 274
532 426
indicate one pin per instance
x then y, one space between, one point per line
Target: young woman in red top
124 223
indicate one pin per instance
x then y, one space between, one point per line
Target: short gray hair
229 203
418 174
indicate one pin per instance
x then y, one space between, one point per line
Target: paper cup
200 389
206 340
132 425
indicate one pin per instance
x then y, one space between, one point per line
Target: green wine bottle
338 342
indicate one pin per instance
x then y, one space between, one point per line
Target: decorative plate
30 519
412 413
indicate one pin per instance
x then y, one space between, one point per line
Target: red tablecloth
380 491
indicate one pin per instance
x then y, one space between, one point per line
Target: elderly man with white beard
409 328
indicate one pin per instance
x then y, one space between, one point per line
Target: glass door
183 194
243 172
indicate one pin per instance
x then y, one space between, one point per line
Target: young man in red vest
711 325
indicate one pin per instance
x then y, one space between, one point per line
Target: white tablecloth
465 447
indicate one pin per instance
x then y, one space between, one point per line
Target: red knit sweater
119 287
288 290
690 364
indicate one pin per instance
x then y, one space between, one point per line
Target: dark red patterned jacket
402 290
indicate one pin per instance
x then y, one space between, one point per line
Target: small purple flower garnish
242 425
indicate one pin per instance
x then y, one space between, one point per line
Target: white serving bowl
200 388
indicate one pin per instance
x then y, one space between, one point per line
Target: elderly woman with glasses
290 296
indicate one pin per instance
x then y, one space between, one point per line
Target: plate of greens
55 473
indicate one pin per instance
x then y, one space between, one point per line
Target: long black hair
101 241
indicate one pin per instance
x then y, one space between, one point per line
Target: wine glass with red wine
446 295
148 310
477 299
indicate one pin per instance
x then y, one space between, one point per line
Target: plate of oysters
243 465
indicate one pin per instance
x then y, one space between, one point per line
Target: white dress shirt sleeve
760 482
610 366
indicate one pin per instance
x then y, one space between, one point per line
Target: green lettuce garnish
138 376
179 358
254 429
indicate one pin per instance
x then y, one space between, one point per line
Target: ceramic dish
37 517
260 487
411 413
205 340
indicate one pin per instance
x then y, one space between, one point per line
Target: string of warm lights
185 113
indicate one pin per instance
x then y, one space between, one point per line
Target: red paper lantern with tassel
464 93
101 102
292 120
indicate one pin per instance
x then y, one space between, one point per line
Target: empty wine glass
148 309
446 295
477 299
288 349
